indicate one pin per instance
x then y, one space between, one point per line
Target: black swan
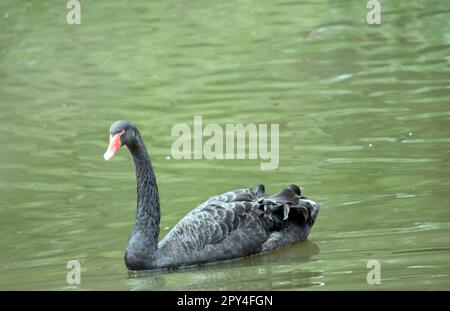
237 223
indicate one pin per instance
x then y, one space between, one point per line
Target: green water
364 128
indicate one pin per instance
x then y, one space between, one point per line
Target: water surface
364 128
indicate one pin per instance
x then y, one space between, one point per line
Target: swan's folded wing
288 206
237 195
217 220
214 221
234 224
229 230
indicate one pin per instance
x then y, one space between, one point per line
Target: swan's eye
123 132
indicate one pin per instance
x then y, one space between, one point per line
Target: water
364 128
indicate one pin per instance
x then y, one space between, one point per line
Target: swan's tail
286 206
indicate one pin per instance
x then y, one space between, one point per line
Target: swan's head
121 133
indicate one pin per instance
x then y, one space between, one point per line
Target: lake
364 122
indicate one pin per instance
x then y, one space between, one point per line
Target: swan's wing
237 195
227 215
233 224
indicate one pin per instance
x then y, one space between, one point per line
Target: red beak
114 145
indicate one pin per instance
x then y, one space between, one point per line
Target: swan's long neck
144 235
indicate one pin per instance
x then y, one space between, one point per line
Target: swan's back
238 223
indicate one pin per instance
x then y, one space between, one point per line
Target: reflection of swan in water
282 269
